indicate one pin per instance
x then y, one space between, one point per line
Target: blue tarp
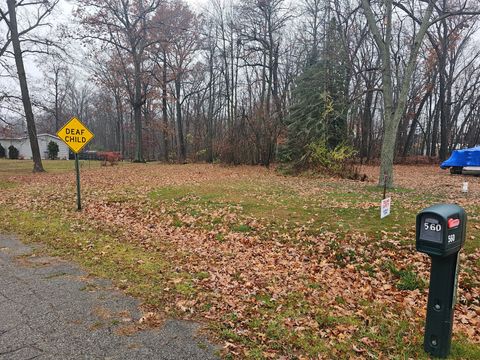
465 157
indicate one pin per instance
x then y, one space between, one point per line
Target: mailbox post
441 234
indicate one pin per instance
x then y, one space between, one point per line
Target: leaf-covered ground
274 266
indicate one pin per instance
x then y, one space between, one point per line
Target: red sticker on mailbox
453 223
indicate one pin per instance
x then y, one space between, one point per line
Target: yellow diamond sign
75 134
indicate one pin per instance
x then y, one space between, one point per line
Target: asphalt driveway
51 309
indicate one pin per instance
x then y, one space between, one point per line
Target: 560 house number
432 227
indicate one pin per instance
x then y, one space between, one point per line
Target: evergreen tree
13 152
52 148
2 151
319 106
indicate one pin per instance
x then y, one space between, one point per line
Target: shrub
319 155
2 152
112 157
338 161
52 150
12 152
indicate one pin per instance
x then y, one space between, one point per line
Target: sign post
76 135
386 202
77 171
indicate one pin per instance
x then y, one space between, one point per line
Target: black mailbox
441 231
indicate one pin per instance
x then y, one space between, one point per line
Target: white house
25 152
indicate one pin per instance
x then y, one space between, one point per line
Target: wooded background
253 81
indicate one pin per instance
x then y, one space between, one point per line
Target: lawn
24 167
273 266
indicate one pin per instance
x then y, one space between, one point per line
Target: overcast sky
63 14
67 5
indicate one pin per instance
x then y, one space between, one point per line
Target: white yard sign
385 207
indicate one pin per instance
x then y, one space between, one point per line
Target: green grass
337 207
258 208
242 228
4 184
283 208
390 337
24 167
472 241
462 349
138 272
408 278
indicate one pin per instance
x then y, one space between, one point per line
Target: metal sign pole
77 169
385 178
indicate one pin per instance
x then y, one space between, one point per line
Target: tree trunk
444 106
415 122
120 129
163 137
211 102
181 152
393 114
27 105
366 125
57 120
434 139
137 111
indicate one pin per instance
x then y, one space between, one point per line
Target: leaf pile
276 267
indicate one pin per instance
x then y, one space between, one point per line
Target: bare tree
393 112
394 107
124 25
178 35
45 9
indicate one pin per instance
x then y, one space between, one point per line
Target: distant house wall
24 149
23 146
20 144
43 141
